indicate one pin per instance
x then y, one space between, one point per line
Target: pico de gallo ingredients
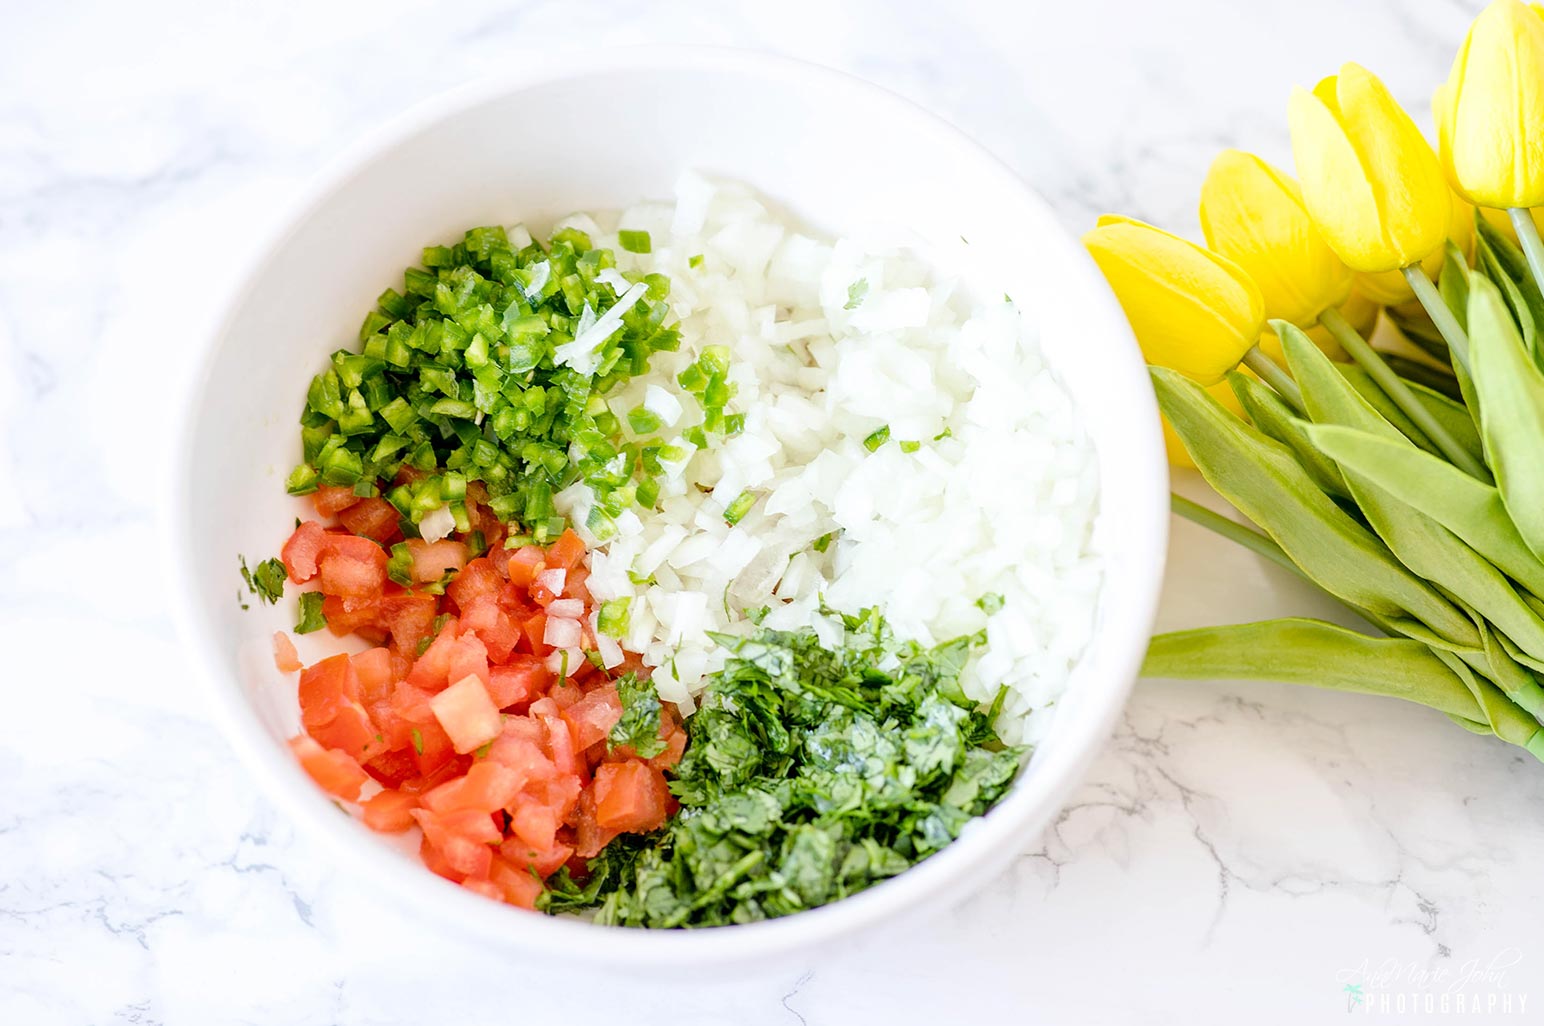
569 492
811 771
490 366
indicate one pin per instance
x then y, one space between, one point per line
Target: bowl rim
976 857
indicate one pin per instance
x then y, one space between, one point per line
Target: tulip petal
1254 215
1492 123
1335 188
1189 308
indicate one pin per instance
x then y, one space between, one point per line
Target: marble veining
1247 853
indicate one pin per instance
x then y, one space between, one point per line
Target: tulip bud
1370 181
1389 288
1191 310
1253 214
1490 114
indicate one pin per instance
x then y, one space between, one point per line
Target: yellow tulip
1253 214
1191 310
1370 181
1490 115
1390 287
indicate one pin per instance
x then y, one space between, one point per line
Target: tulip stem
1234 532
1271 373
1395 388
1533 246
1437 309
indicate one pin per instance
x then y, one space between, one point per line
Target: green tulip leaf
1270 414
1450 414
1262 478
1510 388
1469 508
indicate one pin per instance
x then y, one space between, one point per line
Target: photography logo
1482 985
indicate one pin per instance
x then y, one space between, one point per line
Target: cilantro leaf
638 728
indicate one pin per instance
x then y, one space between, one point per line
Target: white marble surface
1237 853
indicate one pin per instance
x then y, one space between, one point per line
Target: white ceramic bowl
603 133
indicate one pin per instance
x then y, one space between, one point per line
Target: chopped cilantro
694 261
857 292
823 543
638 728
267 581
877 438
810 773
311 618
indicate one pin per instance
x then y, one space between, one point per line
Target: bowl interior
836 154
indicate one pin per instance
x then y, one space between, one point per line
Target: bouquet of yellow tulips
1410 487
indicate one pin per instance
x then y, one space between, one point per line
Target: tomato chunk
284 655
302 550
433 560
372 518
629 796
335 772
567 552
330 500
467 714
389 812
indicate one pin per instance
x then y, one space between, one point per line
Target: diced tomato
548 586
542 861
535 629
467 714
629 796
469 658
517 885
489 786
436 862
432 669
577 584
536 825
592 717
438 760
325 687
409 617
589 836
567 552
330 500
518 749
497 631
390 812
346 616
675 747
350 578
476 580
487 888
373 669
565 693
337 773
393 768
302 550
284 655
432 560
560 793
462 836
560 741
341 543
351 730
522 678
524 565
373 518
